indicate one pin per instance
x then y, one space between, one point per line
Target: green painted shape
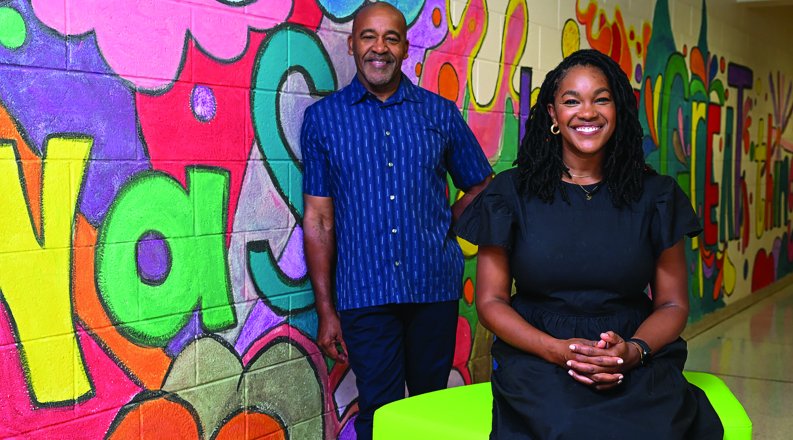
676 74
13 30
193 225
781 185
702 42
510 139
697 90
659 49
207 375
717 86
290 49
283 382
287 50
281 292
662 44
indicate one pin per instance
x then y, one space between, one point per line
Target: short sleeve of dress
673 217
489 219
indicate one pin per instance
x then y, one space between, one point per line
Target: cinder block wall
152 279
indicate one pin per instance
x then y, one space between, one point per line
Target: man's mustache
387 59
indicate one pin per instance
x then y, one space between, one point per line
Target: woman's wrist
556 351
642 348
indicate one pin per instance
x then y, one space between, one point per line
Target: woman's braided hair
539 160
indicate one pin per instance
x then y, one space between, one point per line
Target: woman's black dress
582 268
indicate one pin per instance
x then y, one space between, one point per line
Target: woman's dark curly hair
539 160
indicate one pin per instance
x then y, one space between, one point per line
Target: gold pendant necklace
581 176
588 193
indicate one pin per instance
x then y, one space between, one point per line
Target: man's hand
330 340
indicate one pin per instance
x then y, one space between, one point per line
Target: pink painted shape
462 349
487 124
143 40
90 418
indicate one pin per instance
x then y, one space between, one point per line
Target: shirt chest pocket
427 147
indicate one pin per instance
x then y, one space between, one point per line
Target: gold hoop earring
555 127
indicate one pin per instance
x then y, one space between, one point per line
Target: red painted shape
176 139
762 270
616 43
711 234
306 13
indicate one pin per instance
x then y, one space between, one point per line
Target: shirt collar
407 91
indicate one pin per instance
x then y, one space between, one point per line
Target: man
377 221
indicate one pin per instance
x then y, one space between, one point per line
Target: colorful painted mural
152 279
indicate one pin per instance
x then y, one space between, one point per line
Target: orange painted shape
448 83
717 285
648 108
600 39
436 17
31 165
697 63
159 419
468 291
250 425
147 366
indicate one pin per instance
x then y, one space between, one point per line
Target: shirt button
394 231
390 164
391 197
387 133
397 263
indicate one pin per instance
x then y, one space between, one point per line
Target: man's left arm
467 163
470 194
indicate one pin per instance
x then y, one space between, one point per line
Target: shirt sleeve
466 162
489 220
315 158
673 217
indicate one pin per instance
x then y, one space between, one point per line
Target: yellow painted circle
571 38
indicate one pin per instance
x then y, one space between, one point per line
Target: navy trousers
394 345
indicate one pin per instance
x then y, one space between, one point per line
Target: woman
583 226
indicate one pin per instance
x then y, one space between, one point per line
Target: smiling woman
584 112
581 349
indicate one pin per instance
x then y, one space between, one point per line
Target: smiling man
384 265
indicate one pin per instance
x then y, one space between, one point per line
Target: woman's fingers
599 381
596 365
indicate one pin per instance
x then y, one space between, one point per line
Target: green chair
737 425
464 413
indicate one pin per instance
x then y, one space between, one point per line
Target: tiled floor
752 352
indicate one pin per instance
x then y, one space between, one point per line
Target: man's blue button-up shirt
385 166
